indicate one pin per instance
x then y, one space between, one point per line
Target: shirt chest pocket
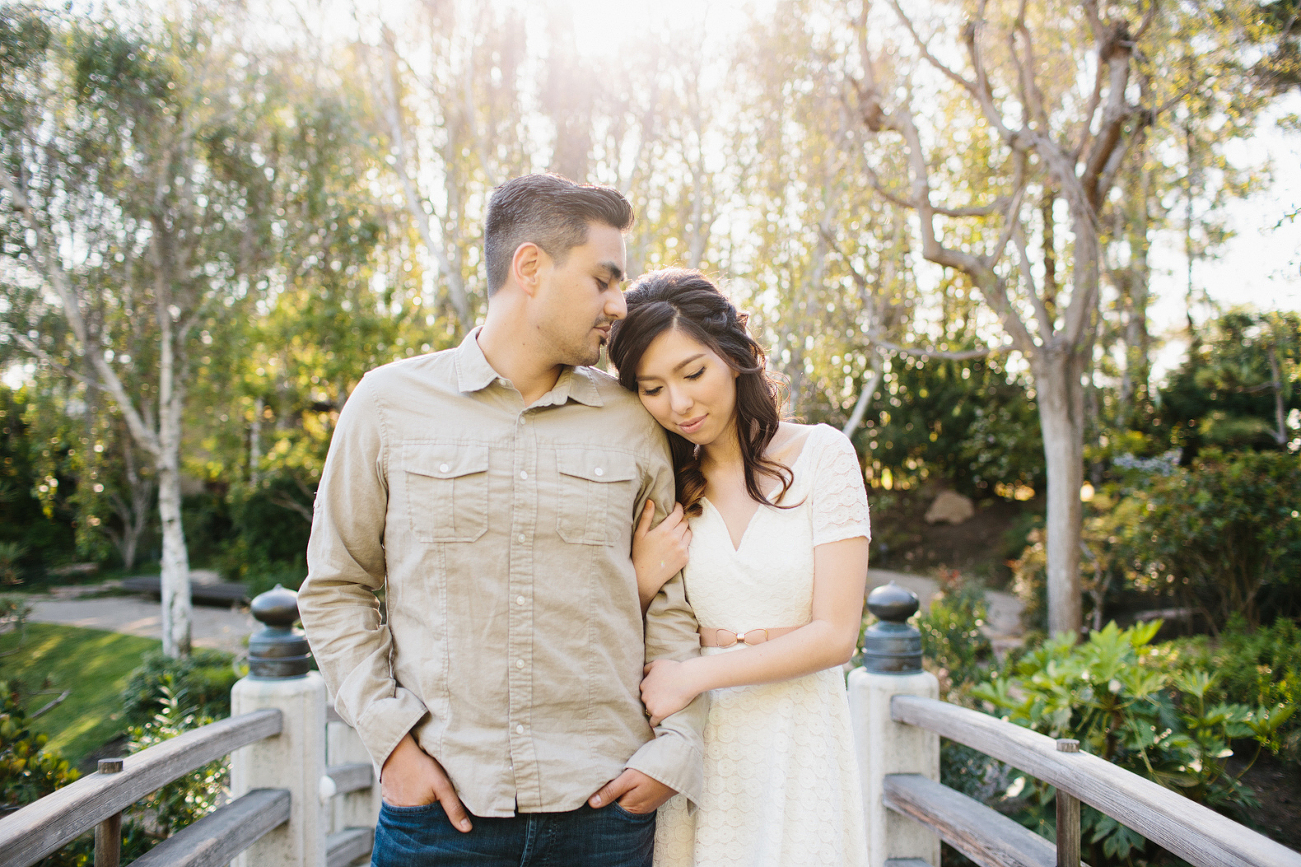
446 491
597 489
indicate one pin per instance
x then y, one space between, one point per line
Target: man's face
581 296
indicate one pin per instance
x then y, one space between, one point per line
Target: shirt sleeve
345 568
839 498
675 757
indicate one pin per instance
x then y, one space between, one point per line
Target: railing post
280 677
108 833
358 809
892 665
1068 816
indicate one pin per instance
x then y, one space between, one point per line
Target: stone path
228 628
221 628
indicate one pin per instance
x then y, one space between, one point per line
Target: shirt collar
474 373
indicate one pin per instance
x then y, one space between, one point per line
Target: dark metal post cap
892 603
891 646
279 650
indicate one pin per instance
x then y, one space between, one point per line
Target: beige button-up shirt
501 535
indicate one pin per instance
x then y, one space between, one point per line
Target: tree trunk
176 561
865 396
1060 397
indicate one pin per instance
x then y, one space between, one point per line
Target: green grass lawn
92 663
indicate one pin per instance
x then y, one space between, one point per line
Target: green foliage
194 795
1236 387
36 527
1125 705
27 769
969 423
1224 535
202 681
952 640
1251 666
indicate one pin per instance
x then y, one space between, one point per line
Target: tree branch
48 264
931 58
1042 316
865 396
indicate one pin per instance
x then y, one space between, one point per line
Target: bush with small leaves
202 681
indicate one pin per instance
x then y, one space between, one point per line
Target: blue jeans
424 837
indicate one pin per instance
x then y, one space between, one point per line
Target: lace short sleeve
839 499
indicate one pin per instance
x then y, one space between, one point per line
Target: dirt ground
978 548
1278 789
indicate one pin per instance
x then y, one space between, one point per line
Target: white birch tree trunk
176 561
1060 397
175 577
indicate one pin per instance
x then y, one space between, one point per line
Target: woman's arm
829 639
661 553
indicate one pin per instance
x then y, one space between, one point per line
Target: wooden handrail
1195 833
981 833
346 846
222 834
44 826
352 777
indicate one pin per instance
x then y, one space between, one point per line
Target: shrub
952 641
28 772
1123 703
193 796
1224 533
202 681
1261 665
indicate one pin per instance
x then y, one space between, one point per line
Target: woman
778 546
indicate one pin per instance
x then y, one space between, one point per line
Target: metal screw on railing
279 650
108 833
891 645
1068 816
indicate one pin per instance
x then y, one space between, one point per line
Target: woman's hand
666 689
661 553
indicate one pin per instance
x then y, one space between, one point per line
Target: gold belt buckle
743 637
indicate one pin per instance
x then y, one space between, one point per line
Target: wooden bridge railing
895 704
304 793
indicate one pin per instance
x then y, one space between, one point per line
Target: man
491 491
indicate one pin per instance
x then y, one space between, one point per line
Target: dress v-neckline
740 543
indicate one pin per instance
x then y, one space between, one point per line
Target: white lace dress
781 778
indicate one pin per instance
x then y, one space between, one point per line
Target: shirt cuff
675 758
386 721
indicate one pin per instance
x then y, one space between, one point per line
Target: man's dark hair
547 210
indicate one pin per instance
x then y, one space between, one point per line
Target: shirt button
523 420
519 663
523 475
443 468
519 600
521 537
600 472
519 730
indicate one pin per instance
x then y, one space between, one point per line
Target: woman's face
687 387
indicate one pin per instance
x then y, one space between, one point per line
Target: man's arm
340 611
674 760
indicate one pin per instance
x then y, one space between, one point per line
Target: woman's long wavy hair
686 300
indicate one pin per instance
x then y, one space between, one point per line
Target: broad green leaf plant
1114 695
